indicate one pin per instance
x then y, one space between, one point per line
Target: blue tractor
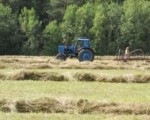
81 50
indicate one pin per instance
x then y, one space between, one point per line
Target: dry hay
27 75
101 62
48 105
141 79
82 106
39 105
18 62
138 78
4 106
2 76
85 77
112 79
78 76
128 78
40 66
2 66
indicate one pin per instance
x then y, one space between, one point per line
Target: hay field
44 88
41 116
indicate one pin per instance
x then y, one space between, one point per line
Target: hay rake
137 54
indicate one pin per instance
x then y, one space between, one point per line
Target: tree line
37 27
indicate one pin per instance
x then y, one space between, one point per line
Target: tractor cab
82 43
81 46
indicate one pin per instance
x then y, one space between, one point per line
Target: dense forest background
37 27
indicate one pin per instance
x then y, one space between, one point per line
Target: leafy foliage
9 36
29 25
37 27
51 38
135 24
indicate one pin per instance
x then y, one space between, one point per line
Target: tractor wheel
61 57
85 55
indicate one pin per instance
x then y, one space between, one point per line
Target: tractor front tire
61 57
85 55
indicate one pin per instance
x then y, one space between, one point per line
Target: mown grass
16 92
114 76
50 63
48 68
104 92
72 71
41 116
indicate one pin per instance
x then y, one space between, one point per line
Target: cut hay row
78 76
27 75
51 63
50 105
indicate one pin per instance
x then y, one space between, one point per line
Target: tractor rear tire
61 57
85 55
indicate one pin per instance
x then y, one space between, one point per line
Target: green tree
106 28
135 24
84 20
98 28
68 25
30 25
109 1
51 38
57 9
9 40
42 7
17 5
